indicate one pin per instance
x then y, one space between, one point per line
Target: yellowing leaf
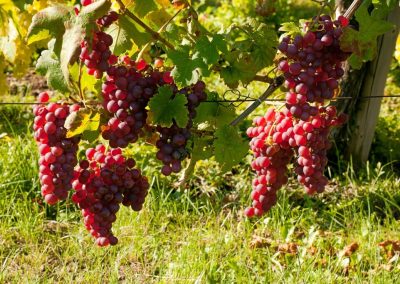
81 121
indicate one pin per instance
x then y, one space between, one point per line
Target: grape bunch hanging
312 65
105 179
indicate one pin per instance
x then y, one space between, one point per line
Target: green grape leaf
174 33
253 47
219 41
187 70
290 29
211 115
75 31
207 50
158 18
49 65
90 136
241 68
165 108
80 121
128 36
143 7
229 147
263 48
48 23
363 43
202 148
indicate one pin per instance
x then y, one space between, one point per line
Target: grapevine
131 80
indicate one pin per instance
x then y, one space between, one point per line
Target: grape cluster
97 55
272 156
312 154
173 140
275 138
172 148
57 153
126 94
102 182
312 65
95 52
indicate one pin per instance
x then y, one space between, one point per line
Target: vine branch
159 31
352 8
278 81
265 79
153 33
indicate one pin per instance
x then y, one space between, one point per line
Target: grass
201 236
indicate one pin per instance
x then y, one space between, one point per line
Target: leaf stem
153 33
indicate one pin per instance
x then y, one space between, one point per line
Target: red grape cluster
172 148
57 153
173 140
95 52
126 94
312 65
103 181
276 137
312 68
97 56
312 153
272 155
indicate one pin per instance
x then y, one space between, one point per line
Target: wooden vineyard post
360 84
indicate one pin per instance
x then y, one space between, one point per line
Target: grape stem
278 81
153 33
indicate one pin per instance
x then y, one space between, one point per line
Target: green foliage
187 68
227 145
143 7
363 43
212 115
290 29
49 65
48 23
208 50
165 108
128 36
252 47
230 148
